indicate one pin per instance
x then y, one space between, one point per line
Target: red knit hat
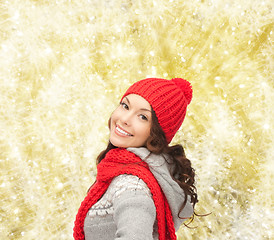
168 98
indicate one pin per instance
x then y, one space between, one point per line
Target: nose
126 118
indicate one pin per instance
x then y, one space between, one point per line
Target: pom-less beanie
168 99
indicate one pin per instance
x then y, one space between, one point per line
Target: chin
118 144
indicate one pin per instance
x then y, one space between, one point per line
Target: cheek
112 118
146 132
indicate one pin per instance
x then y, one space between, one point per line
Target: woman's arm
134 210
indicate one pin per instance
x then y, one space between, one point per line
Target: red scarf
120 161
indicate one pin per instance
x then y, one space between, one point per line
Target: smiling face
130 123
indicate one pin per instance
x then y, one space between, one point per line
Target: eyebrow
143 109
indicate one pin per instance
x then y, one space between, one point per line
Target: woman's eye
143 117
124 105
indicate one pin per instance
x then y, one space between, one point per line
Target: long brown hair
183 172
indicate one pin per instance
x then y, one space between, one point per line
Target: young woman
144 188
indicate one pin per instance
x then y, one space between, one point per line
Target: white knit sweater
127 212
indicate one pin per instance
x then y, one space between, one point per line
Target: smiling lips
122 132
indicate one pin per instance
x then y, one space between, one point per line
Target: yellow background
65 64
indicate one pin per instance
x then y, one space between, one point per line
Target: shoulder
128 184
132 198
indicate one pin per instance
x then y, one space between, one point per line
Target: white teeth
123 132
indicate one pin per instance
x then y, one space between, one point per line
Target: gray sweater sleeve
134 215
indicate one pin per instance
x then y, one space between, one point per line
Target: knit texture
168 98
120 161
